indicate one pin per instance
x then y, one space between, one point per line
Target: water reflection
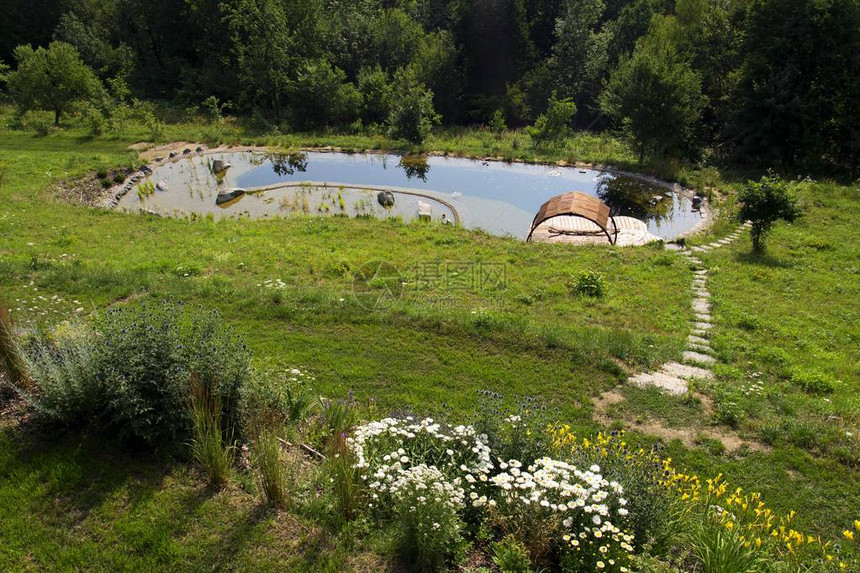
288 163
415 166
631 197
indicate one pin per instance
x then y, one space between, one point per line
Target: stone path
697 361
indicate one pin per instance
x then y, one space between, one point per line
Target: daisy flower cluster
387 451
589 507
433 470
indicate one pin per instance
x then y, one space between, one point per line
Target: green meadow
785 335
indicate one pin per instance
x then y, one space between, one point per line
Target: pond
500 198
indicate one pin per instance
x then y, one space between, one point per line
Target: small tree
554 125
50 79
656 94
765 202
412 115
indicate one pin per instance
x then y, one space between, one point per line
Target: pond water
497 197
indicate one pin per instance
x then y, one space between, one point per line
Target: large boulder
386 199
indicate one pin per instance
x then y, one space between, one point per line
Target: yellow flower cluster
605 445
744 514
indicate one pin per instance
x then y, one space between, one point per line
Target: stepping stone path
698 360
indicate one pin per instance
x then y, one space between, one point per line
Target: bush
765 202
411 115
13 370
588 283
511 556
640 471
145 359
130 373
554 125
63 367
497 122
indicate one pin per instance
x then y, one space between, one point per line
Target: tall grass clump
270 468
211 444
13 372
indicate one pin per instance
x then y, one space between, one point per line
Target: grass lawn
780 321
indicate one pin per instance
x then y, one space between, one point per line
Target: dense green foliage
131 373
758 81
50 79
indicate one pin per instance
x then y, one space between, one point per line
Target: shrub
213 108
145 358
497 122
68 391
765 202
211 445
425 508
411 115
554 125
588 283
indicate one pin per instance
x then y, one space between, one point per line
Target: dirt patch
89 189
689 436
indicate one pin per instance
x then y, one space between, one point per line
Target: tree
50 79
580 52
412 115
375 90
320 96
554 125
655 93
765 202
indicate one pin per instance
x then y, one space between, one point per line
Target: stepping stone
700 272
693 339
724 242
700 333
703 325
666 382
698 358
701 305
686 372
697 249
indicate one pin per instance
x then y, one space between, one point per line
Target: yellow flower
848 534
758 542
857 524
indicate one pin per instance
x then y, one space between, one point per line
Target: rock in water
386 199
219 166
161 186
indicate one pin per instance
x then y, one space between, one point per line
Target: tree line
765 82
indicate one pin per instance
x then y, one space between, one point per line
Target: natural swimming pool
500 198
